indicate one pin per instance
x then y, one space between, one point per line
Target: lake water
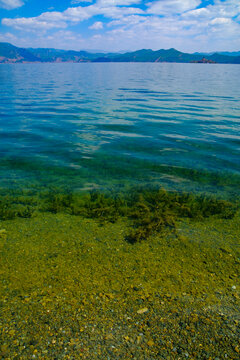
108 126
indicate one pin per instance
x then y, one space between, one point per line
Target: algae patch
149 211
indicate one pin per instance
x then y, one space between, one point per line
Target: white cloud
226 9
98 25
78 14
8 37
117 2
81 1
216 23
11 4
127 21
115 12
220 21
197 13
45 21
60 37
172 6
54 19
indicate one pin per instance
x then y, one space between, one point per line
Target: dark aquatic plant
6 211
199 207
148 211
188 205
56 201
102 207
149 219
11 208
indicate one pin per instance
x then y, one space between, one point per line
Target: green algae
73 288
150 210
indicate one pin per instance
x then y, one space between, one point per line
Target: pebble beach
75 289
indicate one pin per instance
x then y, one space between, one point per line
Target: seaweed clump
11 208
147 211
149 218
155 211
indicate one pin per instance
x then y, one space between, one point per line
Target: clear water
87 125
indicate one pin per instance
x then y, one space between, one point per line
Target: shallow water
109 125
74 287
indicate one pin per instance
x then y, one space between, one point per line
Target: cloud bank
189 25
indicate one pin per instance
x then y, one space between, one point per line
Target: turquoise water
87 126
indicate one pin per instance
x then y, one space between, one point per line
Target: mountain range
12 54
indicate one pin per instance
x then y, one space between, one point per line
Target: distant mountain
224 59
228 53
170 55
54 55
13 54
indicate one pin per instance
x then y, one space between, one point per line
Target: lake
129 271
114 125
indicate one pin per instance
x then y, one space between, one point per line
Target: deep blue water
109 125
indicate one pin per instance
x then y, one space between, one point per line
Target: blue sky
121 25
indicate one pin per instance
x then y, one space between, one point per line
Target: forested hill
12 54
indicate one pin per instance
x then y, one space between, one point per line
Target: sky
122 25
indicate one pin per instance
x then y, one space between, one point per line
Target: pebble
142 311
150 343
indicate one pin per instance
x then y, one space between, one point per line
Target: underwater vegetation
10 209
148 211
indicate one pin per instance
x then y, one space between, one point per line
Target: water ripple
120 123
